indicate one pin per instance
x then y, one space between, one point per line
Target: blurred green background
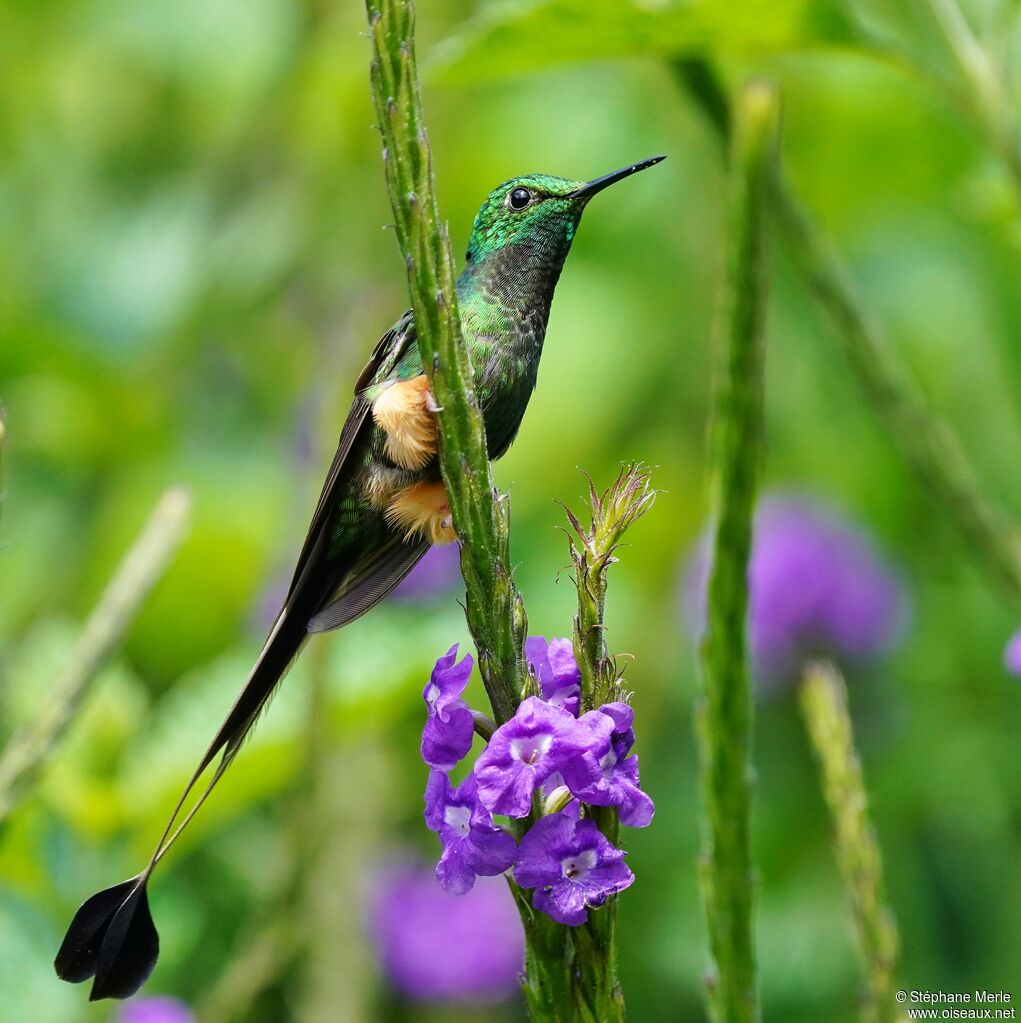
194 267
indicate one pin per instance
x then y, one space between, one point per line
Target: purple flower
605 775
524 752
440 947
435 573
557 671
1012 654
472 844
447 735
572 865
817 588
158 1009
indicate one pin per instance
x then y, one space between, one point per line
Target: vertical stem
824 703
494 610
593 549
548 981
495 613
724 711
597 941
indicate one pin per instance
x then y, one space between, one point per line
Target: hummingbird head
539 210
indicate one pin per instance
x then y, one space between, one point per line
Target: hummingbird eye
519 198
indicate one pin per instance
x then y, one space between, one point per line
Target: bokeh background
195 264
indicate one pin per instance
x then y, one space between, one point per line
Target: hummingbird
383 504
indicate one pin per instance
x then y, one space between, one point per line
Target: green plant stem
495 613
494 610
548 979
593 551
724 709
923 438
140 570
824 703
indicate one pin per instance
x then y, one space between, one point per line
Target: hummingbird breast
505 303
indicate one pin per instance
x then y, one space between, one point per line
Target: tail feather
79 954
112 936
113 939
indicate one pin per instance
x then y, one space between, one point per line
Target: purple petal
445 743
524 752
506 787
573 866
564 903
492 850
557 671
448 681
584 777
608 879
437 790
636 807
560 654
537 657
600 726
542 848
623 717
453 872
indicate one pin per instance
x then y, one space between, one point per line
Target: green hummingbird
382 505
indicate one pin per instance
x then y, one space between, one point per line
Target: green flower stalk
612 513
495 613
824 704
593 551
725 707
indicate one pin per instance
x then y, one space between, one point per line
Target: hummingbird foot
423 510
404 412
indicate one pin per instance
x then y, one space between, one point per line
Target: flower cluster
546 760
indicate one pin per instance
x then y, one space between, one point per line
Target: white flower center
458 817
576 868
532 749
432 693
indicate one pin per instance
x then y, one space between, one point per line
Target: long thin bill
597 185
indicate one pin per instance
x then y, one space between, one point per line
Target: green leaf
524 35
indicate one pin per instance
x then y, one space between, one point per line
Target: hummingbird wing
385 356
112 937
373 578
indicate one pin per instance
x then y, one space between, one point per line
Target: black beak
588 190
